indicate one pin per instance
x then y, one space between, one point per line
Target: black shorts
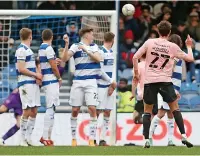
166 90
139 107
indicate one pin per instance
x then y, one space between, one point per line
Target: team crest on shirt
24 92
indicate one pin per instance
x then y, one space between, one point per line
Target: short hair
85 30
24 33
164 28
174 38
47 34
109 36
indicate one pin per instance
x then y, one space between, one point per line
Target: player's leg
150 97
139 110
48 123
168 93
76 103
52 100
105 128
11 131
91 98
156 119
179 121
170 126
34 109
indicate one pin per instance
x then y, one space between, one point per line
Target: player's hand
66 39
60 83
178 95
110 90
38 76
58 61
39 82
188 41
82 47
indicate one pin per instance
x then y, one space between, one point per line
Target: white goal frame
11 14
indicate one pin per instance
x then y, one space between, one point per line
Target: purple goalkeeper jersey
14 102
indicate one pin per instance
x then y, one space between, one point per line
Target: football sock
23 127
30 127
48 123
146 124
105 128
10 132
93 128
179 121
154 123
73 127
170 126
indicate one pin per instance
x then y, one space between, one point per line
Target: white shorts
162 104
52 94
83 91
105 101
30 96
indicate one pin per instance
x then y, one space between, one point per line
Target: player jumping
28 89
51 84
105 88
163 107
160 54
84 88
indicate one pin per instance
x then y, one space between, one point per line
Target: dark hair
164 28
85 30
109 36
47 34
145 7
174 38
25 33
124 80
154 32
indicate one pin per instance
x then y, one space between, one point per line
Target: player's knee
3 109
75 111
107 113
92 111
170 115
50 112
33 112
161 114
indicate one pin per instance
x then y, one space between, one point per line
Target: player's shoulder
44 47
22 47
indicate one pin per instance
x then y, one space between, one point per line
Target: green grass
117 150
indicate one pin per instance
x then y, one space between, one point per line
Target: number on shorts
95 96
152 65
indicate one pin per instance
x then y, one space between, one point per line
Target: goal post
14 15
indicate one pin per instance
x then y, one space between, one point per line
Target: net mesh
60 25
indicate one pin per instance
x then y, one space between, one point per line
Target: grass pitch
117 150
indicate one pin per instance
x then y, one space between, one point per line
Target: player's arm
68 53
134 87
21 65
94 55
182 55
51 58
142 50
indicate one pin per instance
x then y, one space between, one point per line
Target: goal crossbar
57 12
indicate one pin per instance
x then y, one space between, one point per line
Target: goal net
60 22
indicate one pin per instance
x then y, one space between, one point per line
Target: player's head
176 39
86 34
109 38
25 34
164 28
47 35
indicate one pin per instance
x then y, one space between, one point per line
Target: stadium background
133 31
